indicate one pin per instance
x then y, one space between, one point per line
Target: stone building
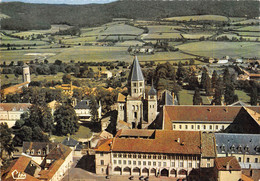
26 73
149 153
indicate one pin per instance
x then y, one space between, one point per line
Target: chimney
227 168
178 140
47 149
213 103
173 98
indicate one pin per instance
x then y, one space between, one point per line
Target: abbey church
138 110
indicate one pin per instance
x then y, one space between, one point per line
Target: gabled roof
120 98
69 142
136 71
163 142
60 151
227 164
239 103
208 145
237 143
38 146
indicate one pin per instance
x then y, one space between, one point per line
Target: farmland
198 18
250 28
221 49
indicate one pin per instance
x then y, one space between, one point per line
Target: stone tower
134 103
136 80
151 105
26 73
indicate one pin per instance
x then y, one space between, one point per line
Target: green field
257 34
196 36
53 29
15 41
249 21
221 49
2 16
229 35
198 18
186 97
161 36
250 28
236 19
242 96
121 29
129 43
163 29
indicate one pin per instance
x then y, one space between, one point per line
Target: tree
66 120
214 79
7 145
66 79
197 100
253 96
208 85
217 98
193 81
226 77
230 96
180 71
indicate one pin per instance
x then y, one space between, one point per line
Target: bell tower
26 73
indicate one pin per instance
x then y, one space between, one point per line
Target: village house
149 153
42 161
11 112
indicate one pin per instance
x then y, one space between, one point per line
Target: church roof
136 72
152 91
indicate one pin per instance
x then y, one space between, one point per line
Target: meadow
156 36
221 49
198 18
196 36
163 29
19 42
250 28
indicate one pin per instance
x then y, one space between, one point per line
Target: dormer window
28 152
39 152
257 149
222 148
247 149
32 152
239 149
232 148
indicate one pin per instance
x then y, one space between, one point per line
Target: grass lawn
221 49
242 96
83 132
186 97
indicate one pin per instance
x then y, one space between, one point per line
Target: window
154 163
248 160
135 91
186 126
139 156
223 127
190 164
149 163
164 157
124 162
124 155
101 154
144 156
144 162
134 156
114 161
135 115
239 149
164 164
180 126
210 127
141 84
204 127
139 162
154 157
101 162
129 162
32 152
159 164
39 152
208 165
134 84
198 126
192 127
140 90
159 157
134 162
129 156
173 164
256 160
208 159
239 159
119 162
174 126
119 155
149 156
216 126
181 164
136 107
198 165
247 149
232 148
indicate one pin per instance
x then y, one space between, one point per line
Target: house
149 153
227 168
83 110
222 61
208 147
74 145
54 158
235 119
106 74
11 112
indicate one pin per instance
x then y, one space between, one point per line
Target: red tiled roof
103 145
164 142
227 164
14 106
201 113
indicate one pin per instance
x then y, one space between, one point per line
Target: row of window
28 152
247 160
149 163
144 156
12 116
199 127
135 84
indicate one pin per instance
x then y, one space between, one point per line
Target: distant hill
25 16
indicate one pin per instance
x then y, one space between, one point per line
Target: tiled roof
69 142
14 88
255 115
208 145
120 98
202 114
60 151
104 145
238 143
134 133
239 103
14 106
163 142
48 174
227 164
136 71
38 146
246 178
20 165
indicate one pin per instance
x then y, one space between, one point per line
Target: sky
62 1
